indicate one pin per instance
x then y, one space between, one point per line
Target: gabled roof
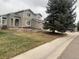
30 11
23 11
39 14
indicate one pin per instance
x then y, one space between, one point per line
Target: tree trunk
53 31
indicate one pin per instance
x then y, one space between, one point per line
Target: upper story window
28 14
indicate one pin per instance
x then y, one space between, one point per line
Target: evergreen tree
78 26
61 15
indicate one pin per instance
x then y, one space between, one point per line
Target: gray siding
24 17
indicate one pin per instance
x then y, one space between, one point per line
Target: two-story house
22 19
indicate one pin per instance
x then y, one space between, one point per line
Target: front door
17 22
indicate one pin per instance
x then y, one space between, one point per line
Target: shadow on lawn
56 33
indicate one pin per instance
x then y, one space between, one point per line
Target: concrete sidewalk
50 50
72 51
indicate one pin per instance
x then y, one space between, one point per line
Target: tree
78 26
61 15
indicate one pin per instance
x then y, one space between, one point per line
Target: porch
15 22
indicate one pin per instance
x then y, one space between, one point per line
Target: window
3 21
28 14
28 22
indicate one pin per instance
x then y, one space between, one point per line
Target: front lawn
13 43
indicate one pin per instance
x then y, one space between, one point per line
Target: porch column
13 22
1 21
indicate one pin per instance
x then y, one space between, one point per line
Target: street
72 51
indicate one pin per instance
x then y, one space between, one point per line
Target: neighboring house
22 19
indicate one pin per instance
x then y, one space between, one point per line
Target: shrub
4 27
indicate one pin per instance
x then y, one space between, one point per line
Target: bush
4 27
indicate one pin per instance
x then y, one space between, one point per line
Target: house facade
22 19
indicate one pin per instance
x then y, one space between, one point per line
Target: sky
37 6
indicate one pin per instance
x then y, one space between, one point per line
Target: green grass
13 43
